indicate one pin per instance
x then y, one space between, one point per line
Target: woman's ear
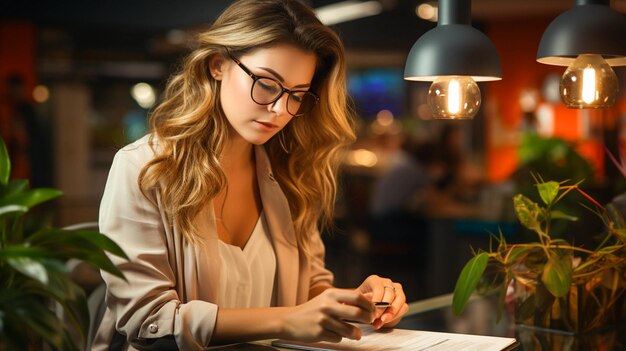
216 66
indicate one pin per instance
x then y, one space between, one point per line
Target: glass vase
588 306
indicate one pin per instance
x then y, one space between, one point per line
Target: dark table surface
479 317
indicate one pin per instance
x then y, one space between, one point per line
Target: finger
353 297
395 319
341 328
351 313
377 323
398 302
403 310
379 291
329 336
380 310
399 296
389 293
369 283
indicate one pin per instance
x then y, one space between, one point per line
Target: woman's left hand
385 290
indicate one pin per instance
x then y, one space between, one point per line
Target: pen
379 304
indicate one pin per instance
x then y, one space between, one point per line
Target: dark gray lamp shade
590 27
453 48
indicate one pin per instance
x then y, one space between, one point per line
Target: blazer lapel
207 256
276 209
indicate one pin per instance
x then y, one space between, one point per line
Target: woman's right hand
324 318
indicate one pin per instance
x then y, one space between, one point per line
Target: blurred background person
457 181
28 137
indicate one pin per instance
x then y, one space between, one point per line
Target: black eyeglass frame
284 90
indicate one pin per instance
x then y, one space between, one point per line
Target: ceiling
134 25
138 29
167 14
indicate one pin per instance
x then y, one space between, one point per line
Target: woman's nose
279 106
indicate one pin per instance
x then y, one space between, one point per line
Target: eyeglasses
266 91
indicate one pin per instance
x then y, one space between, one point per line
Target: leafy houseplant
555 157
33 274
555 285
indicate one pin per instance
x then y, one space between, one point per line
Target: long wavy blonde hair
191 129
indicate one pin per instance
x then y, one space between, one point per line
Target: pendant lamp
589 39
454 56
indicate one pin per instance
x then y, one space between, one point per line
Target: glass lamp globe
589 82
454 97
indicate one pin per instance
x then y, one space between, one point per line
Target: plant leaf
103 242
27 308
597 256
502 291
557 274
76 239
31 314
72 299
527 212
89 246
30 268
31 198
615 217
515 252
12 210
556 214
5 164
525 309
621 233
544 297
14 186
548 191
18 251
465 285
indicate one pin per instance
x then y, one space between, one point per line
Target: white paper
406 340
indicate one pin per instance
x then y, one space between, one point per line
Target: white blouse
170 295
247 275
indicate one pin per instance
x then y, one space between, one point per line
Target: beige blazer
169 298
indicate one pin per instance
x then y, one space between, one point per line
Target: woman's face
252 122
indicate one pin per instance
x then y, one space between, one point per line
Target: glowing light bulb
589 85
454 97
589 82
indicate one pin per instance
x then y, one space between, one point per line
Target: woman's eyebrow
281 79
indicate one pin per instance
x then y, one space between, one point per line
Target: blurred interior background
77 82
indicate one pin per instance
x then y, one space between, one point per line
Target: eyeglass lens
266 91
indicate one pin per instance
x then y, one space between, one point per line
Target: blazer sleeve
147 308
320 275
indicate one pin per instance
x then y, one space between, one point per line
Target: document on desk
406 340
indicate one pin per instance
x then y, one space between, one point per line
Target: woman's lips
266 126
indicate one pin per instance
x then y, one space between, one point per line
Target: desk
479 317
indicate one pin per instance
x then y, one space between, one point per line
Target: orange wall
517 42
17 52
17 56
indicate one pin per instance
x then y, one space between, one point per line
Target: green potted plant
33 274
555 285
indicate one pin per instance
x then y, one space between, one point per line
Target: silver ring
390 287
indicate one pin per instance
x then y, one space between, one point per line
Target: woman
218 207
